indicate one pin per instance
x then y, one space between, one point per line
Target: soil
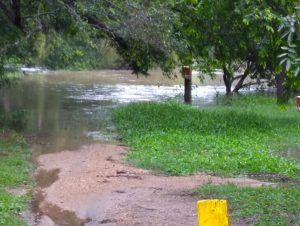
94 186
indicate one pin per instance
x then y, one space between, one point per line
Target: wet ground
81 177
94 186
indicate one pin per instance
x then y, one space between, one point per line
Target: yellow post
212 213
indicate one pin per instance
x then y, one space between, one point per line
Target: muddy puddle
96 187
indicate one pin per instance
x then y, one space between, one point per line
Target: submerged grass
14 173
242 135
16 120
258 206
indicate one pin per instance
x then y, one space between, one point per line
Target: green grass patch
258 206
14 173
243 135
10 207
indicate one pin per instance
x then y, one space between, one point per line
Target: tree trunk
227 81
282 97
16 6
240 83
188 91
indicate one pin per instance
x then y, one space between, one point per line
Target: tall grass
243 135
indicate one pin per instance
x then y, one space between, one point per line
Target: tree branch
253 83
237 77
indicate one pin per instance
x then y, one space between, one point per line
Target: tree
9 35
240 37
139 30
289 80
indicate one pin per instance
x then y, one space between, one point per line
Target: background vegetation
246 39
67 51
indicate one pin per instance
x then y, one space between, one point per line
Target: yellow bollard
212 213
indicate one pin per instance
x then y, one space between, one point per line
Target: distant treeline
83 51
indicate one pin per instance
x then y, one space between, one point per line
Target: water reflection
120 94
64 114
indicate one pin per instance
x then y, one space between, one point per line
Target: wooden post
298 102
212 213
187 75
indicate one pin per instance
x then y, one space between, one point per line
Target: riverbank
249 136
244 136
15 180
69 118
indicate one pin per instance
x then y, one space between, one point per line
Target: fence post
187 75
298 102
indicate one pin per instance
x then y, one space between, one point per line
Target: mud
18 191
45 178
96 187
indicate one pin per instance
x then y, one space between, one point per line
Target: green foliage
83 29
242 137
38 48
144 42
289 57
214 34
236 36
258 206
82 51
14 171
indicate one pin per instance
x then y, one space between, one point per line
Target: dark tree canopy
139 30
240 37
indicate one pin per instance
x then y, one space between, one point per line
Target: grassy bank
258 206
14 175
243 135
247 135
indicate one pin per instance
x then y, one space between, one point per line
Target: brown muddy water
68 109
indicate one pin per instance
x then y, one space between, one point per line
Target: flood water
68 109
